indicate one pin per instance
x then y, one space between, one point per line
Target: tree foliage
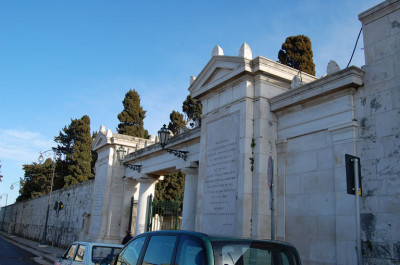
193 109
132 116
296 52
75 143
177 122
36 181
77 163
171 188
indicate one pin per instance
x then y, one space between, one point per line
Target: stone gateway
256 110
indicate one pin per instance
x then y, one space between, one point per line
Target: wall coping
349 77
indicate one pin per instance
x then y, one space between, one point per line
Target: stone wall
27 218
316 128
378 111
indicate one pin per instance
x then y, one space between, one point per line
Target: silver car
85 253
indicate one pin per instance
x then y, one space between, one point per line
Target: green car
193 248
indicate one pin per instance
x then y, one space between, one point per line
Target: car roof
98 244
216 237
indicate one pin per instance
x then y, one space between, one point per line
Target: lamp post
4 214
41 159
120 157
1 197
163 135
16 206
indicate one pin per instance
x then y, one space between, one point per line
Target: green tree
193 109
75 142
177 122
171 188
296 52
132 116
93 153
36 181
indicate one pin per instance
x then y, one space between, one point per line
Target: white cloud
23 146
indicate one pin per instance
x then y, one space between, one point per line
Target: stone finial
332 67
296 82
217 51
192 78
109 133
152 138
103 129
245 51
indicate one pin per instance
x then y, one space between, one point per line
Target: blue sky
60 60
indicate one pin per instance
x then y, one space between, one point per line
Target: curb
44 255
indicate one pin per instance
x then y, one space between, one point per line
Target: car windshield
104 254
253 253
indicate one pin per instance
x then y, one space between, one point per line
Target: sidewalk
47 255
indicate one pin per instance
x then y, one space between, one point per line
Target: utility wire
354 48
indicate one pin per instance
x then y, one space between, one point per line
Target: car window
131 252
69 254
80 253
159 250
104 254
255 253
190 251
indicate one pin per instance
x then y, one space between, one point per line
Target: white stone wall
316 128
29 216
378 110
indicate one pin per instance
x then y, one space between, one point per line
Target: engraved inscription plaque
221 174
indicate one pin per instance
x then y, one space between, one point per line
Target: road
11 254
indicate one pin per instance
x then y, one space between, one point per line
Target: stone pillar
105 214
280 185
130 189
343 138
146 188
189 199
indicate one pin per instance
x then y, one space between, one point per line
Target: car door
160 250
69 255
79 258
191 251
130 254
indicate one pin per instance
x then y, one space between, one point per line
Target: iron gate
162 215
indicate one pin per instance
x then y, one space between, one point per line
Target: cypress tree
193 109
76 145
296 52
132 116
176 122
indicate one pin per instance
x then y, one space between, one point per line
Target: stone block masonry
379 112
27 219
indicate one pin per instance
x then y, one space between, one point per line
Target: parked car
85 253
193 248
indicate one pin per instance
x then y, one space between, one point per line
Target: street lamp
12 184
163 135
120 157
41 159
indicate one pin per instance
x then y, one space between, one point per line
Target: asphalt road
11 254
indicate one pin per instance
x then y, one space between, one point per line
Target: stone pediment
99 141
217 74
218 70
